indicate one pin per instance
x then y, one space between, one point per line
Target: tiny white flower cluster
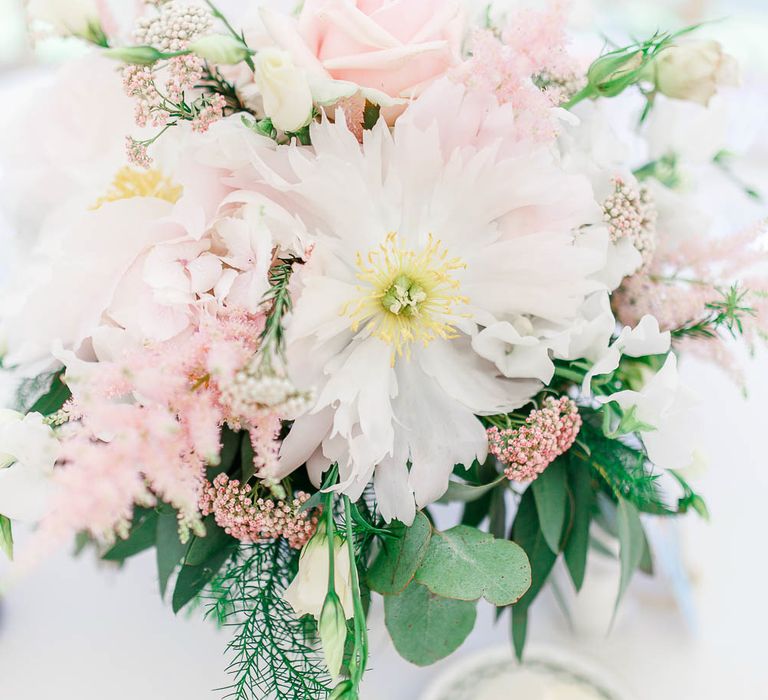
175 25
630 212
259 390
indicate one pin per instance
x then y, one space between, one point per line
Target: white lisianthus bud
28 452
693 70
136 55
68 17
333 633
221 49
308 591
284 89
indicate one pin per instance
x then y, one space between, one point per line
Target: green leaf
476 511
632 541
370 115
466 564
141 537
230 446
170 549
526 531
192 579
54 399
646 562
396 564
519 629
466 493
551 494
201 549
246 458
426 627
497 515
577 545
6 536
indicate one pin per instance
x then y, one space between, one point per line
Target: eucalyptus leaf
464 563
550 493
396 565
141 537
426 627
632 541
170 549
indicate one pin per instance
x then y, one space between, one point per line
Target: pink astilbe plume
147 426
511 66
687 277
529 449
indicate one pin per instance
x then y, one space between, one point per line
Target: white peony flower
77 17
423 238
694 70
28 452
284 89
665 404
308 590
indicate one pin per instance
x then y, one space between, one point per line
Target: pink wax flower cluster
250 519
547 433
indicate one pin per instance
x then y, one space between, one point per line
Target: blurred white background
76 630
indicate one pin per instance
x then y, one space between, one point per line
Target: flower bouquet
359 260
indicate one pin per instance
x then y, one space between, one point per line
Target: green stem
360 654
330 533
586 93
218 14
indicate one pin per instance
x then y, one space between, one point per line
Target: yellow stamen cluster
129 183
406 295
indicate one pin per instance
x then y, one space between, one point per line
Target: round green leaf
396 564
464 563
425 627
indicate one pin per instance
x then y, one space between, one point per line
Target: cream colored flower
694 70
284 89
307 593
76 17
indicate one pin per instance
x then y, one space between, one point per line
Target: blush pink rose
390 48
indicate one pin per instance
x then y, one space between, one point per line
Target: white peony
422 239
28 452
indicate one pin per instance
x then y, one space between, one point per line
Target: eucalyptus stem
360 653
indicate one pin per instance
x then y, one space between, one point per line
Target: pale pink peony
393 47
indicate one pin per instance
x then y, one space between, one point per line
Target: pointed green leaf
6 536
170 550
577 546
526 531
192 579
466 493
396 564
425 627
632 541
519 629
54 399
466 564
497 515
246 458
141 537
230 447
201 549
550 492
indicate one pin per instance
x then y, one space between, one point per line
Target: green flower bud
611 74
221 48
333 632
138 55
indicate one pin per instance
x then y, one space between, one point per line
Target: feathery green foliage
273 654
